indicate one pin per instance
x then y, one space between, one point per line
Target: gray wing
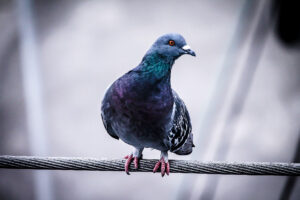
106 115
108 127
180 136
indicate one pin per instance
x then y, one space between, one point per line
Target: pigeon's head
171 46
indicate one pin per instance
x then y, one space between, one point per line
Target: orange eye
171 43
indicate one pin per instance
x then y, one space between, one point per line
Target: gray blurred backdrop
57 57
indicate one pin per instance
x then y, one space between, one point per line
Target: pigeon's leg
135 156
164 163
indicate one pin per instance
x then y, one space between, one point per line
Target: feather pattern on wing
180 136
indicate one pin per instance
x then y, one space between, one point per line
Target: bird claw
129 159
165 167
136 162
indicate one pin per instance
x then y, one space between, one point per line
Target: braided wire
147 165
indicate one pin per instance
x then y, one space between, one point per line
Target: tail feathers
187 147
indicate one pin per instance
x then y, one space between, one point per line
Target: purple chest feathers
150 104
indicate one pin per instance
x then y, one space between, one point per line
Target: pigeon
142 109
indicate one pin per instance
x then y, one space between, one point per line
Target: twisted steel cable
147 165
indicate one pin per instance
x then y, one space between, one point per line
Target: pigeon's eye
171 42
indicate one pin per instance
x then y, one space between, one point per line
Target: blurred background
242 90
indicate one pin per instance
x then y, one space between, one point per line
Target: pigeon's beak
187 49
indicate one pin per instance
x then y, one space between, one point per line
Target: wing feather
106 115
180 136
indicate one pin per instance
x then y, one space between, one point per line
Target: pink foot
165 167
129 160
